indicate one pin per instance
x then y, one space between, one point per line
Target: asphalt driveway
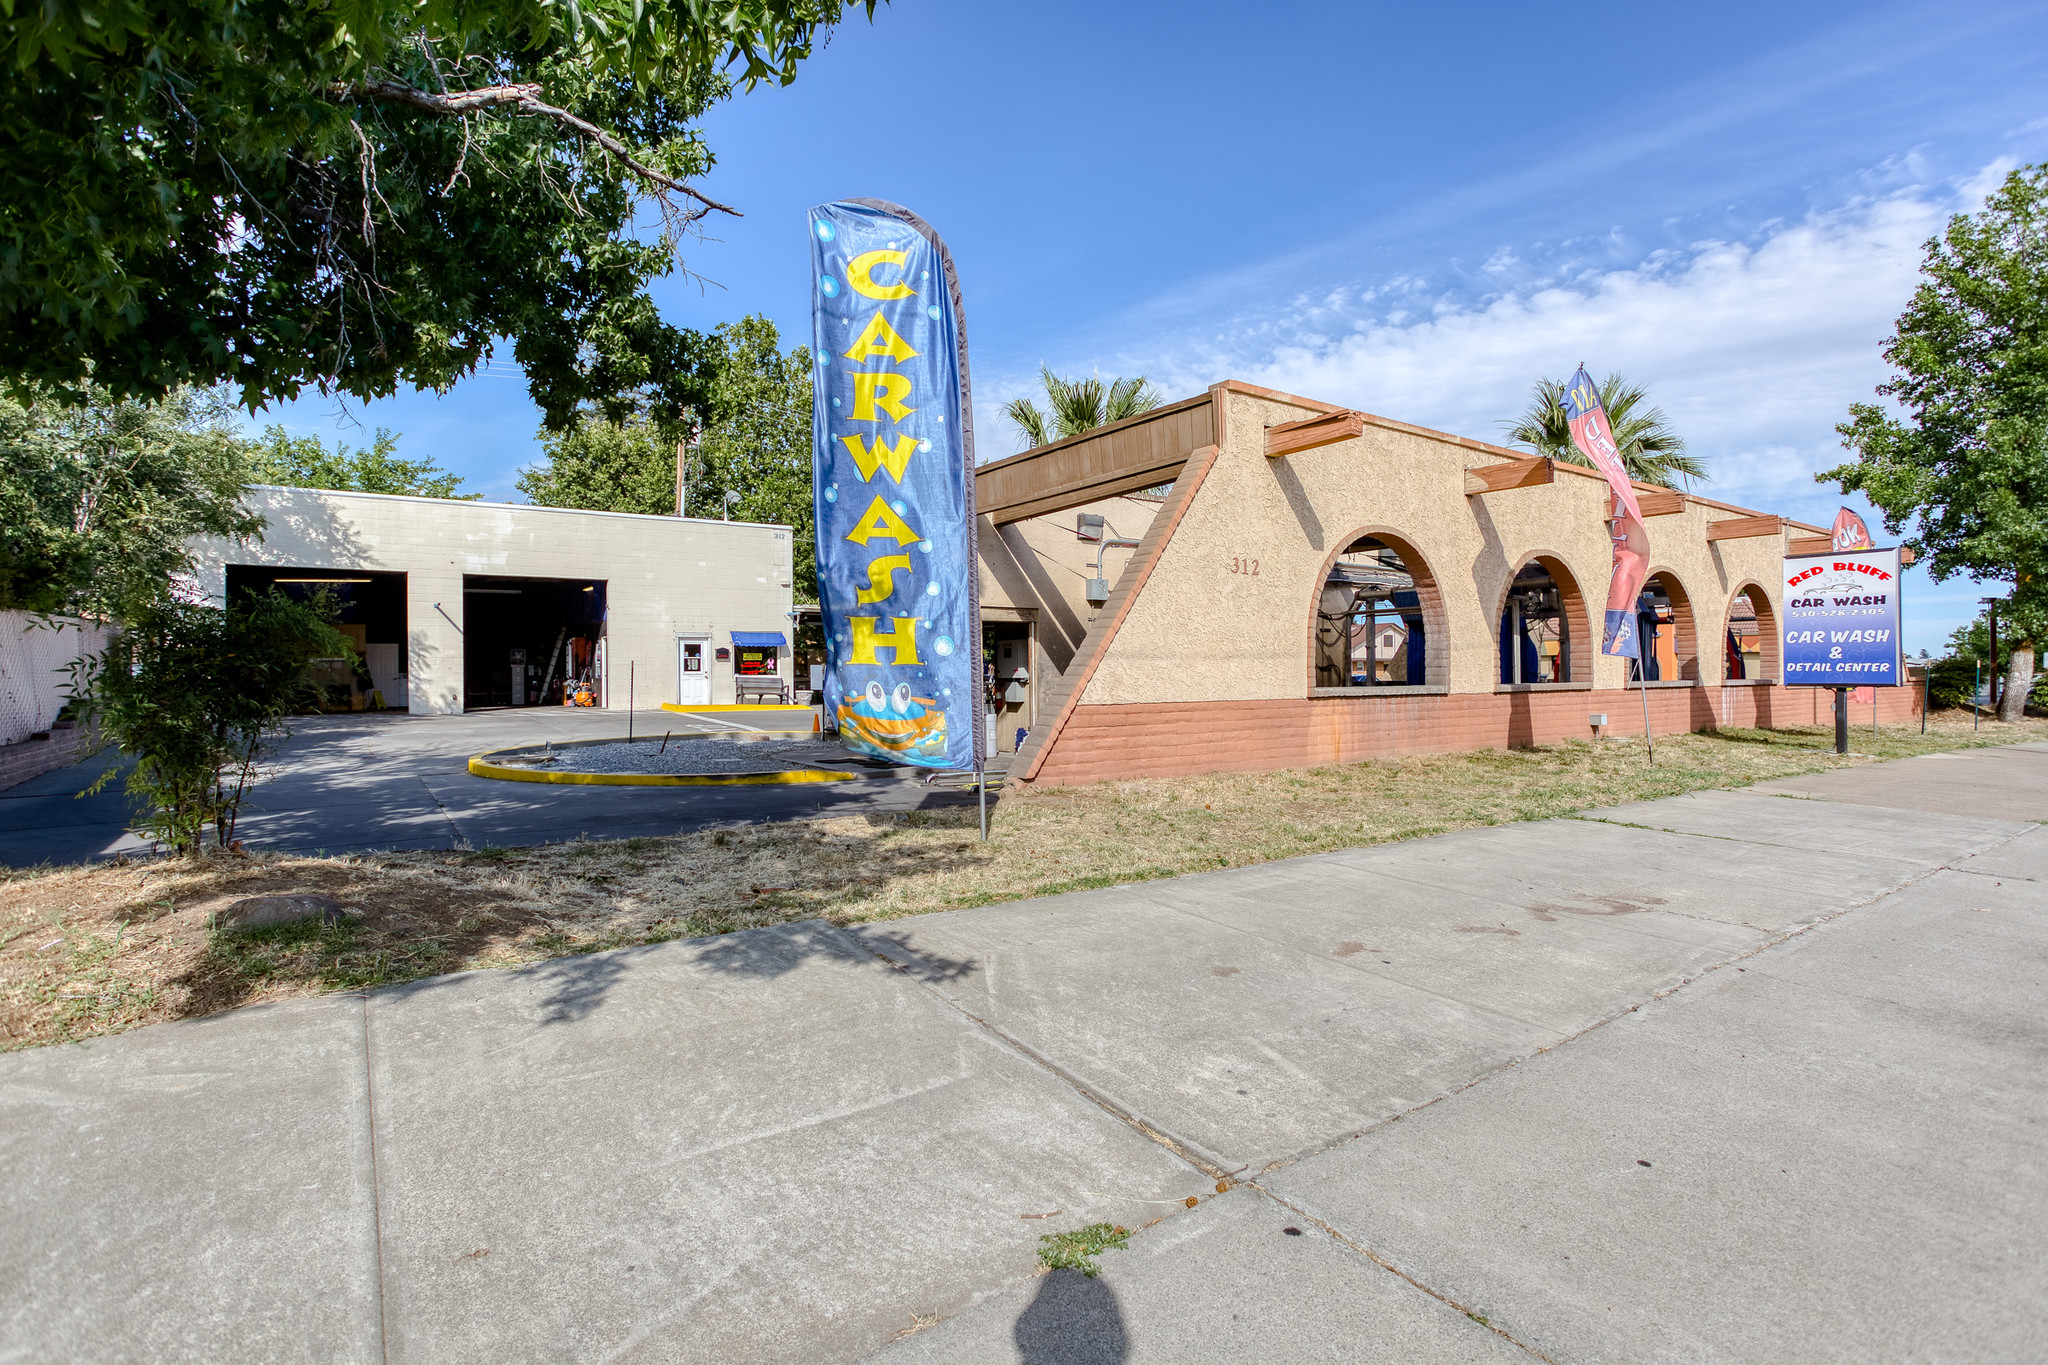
362 783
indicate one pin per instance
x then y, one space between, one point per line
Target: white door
693 673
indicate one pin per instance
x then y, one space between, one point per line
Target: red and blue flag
1594 437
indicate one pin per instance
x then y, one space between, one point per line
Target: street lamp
732 495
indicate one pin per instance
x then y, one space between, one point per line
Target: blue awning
758 639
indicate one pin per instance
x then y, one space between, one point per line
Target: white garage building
458 605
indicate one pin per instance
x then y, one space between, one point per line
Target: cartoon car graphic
892 724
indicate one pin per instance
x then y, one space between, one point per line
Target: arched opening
1378 621
1664 624
1542 633
1750 641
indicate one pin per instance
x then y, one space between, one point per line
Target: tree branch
525 99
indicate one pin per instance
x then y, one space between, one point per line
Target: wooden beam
1139 452
1660 504
1081 492
1742 528
1498 478
1291 438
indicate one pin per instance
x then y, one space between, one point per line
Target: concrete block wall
665 577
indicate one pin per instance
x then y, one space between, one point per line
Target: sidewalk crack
1202 1162
1384 1264
454 830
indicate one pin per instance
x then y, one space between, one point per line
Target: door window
693 658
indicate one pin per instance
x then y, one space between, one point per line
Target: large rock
260 912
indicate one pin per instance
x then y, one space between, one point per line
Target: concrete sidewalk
1723 1077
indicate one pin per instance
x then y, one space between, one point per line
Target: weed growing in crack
1078 1249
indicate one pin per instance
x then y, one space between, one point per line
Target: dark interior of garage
372 614
527 641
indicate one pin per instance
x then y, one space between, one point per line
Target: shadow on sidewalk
1073 1320
579 986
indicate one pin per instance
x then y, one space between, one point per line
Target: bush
1951 682
198 695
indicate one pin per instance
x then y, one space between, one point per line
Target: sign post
1841 624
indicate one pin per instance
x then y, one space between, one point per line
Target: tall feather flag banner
1594 437
1850 533
892 475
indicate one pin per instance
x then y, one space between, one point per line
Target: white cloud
1755 349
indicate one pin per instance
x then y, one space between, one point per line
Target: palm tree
1653 452
1080 405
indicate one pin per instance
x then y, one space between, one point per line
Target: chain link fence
36 654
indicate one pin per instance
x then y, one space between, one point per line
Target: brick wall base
1178 739
34 757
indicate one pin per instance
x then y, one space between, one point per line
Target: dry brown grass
98 949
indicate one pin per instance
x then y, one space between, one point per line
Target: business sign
1842 619
892 476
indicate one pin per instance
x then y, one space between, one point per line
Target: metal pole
1650 743
1993 614
1926 691
631 669
1841 720
981 782
1372 644
1976 686
1515 616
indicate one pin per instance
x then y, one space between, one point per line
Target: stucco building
1280 533
457 605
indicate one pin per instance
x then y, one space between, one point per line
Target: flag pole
1643 678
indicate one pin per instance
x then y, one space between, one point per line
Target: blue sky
1415 210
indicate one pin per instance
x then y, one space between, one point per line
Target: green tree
1961 453
302 462
99 501
1969 662
755 443
366 193
199 695
607 466
1078 405
1651 450
758 442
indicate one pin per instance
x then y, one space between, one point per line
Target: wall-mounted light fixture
1089 526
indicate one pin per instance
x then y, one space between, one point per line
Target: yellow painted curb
681 709
481 766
